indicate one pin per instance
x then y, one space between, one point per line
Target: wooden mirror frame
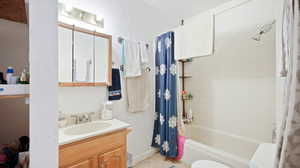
109 72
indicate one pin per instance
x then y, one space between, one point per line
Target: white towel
132 59
83 66
138 92
144 51
196 37
178 33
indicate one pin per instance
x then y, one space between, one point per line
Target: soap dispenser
107 113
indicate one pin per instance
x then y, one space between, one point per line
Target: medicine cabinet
85 57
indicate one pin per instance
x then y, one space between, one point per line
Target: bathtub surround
165 124
233 88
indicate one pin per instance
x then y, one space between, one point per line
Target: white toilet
263 158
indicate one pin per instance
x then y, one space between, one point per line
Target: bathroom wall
235 89
43 55
134 22
14 52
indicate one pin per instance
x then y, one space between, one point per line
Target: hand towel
115 90
132 64
82 69
138 92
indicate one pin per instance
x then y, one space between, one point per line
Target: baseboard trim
143 156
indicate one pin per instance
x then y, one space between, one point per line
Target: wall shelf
14 91
187 99
14 96
185 77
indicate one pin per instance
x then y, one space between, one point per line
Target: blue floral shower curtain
165 126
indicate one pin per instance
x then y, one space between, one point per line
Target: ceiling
181 9
13 10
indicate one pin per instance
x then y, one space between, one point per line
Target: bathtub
208 144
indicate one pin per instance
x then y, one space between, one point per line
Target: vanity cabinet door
65 57
114 159
83 57
102 60
83 164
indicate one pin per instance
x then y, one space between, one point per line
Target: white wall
44 78
13 52
234 89
134 21
278 11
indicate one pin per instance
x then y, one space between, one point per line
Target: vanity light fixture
69 11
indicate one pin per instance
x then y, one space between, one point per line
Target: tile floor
158 161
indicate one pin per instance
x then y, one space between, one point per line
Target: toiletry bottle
2 80
9 74
107 111
190 115
24 77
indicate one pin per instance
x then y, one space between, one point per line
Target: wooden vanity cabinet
113 159
83 164
104 151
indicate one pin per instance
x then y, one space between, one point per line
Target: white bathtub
194 151
208 144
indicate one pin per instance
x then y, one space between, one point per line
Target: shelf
186 60
185 77
14 96
187 121
188 99
14 91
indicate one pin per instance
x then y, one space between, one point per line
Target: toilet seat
208 164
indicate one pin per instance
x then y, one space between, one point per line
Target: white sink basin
87 128
79 132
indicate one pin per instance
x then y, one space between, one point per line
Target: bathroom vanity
99 144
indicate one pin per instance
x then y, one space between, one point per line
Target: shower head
263 30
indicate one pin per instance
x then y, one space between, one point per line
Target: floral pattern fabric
165 124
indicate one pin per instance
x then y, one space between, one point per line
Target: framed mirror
85 57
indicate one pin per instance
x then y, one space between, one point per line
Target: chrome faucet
83 118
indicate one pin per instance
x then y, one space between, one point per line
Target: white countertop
66 139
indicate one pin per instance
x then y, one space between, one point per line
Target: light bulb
69 7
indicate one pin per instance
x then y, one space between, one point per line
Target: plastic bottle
24 77
190 115
107 113
9 75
